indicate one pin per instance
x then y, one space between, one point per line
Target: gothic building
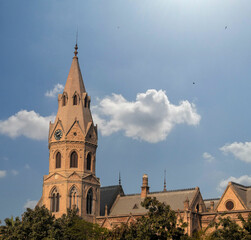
72 182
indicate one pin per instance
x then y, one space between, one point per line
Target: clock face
58 134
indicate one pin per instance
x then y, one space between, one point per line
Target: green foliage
41 224
225 228
159 223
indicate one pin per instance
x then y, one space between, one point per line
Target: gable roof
108 195
175 198
243 194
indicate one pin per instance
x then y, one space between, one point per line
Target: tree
225 228
40 224
159 223
72 227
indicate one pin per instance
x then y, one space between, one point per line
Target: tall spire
164 180
68 113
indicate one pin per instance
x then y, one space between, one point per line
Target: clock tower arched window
89 201
58 160
55 200
74 160
89 161
73 198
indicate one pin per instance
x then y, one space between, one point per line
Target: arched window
75 100
73 198
58 160
64 100
85 101
197 208
74 160
89 103
89 161
54 200
89 201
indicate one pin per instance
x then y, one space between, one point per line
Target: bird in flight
225 27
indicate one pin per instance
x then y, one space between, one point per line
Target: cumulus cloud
241 151
14 172
53 93
30 204
244 180
208 157
3 173
26 123
150 118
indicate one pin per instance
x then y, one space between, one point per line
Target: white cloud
30 204
150 118
26 123
3 173
53 93
27 166
244 180
241 151
14 172
208 157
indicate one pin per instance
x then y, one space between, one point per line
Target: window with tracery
58 160
89 160
55 200
74 160
89 201
73 198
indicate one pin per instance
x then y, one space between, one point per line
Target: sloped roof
244 192
132 203
107 197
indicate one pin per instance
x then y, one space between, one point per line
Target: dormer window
64 99
86 101
75 100
135 206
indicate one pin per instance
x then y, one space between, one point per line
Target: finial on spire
119 179
164 180
76 50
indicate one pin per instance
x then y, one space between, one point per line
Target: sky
170 87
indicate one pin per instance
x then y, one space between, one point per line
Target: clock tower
72 181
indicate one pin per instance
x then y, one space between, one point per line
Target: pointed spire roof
74 80
69 113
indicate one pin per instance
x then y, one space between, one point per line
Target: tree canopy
159 223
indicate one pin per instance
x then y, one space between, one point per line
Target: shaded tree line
160 223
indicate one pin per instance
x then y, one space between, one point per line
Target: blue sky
170 87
